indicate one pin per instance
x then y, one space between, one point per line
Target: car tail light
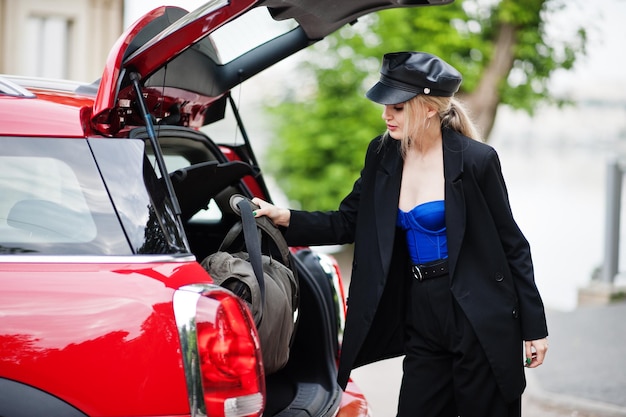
331 267
223 362
230 360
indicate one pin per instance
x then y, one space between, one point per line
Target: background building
58 39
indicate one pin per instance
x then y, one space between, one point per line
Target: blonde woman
441 274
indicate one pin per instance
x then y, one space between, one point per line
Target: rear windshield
53 201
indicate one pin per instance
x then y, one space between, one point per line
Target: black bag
269 287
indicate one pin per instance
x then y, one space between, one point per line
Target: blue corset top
425 227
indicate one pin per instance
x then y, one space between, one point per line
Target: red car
110 195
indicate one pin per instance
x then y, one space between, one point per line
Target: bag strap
253 246
248 225
263 223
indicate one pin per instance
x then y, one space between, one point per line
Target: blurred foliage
323 125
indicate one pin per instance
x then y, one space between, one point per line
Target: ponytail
456 117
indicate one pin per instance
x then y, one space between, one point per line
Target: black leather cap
406 74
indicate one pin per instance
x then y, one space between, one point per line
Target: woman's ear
430 111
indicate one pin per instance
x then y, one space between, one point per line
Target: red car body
104 307
100 336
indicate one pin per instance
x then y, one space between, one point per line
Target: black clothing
446 372
491 272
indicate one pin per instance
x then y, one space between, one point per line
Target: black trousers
446 372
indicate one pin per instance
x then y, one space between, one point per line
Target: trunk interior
203 177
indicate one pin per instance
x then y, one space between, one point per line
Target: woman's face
393 115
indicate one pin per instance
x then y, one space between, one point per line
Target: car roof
43 107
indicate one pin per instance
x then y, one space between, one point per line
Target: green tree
501 48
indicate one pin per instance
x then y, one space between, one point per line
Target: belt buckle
417 273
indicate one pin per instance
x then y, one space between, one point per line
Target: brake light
220 351
230 357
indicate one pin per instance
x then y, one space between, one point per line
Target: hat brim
384 94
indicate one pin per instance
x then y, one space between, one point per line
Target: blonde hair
451 114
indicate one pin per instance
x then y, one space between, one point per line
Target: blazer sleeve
325 227
332 227
516 248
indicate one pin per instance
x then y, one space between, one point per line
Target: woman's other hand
535 352
280 216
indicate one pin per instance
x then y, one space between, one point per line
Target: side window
53 200
212 212
42 201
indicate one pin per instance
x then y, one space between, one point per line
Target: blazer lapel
453 146
387 194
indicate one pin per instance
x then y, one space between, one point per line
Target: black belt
430 270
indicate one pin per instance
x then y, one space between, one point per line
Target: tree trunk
483 102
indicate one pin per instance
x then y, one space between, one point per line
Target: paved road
586 369
383 396
583 376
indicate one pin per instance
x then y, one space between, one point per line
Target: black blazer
491 271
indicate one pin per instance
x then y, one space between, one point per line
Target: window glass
212 212
233 39
53 200
143 205
42 202
47 39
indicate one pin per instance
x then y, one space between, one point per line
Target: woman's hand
536 352
280 216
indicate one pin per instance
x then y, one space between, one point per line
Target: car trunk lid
180 69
